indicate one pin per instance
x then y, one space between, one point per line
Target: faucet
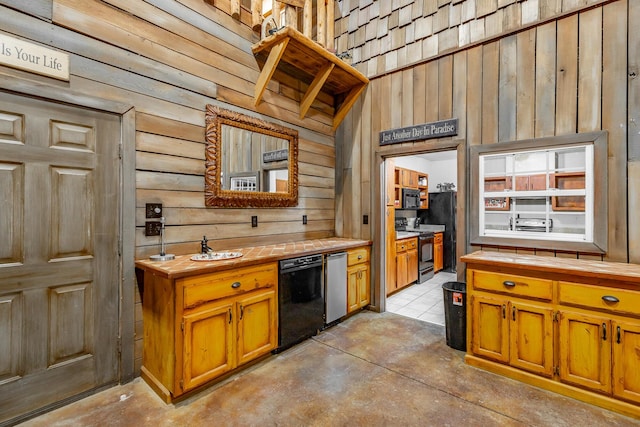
204 247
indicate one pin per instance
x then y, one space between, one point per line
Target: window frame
600 191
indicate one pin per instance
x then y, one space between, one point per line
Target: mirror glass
249 162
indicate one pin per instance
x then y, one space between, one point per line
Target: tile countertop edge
578 267
183 266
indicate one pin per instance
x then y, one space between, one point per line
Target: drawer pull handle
235 285
604 332
610 298
618 335
509 283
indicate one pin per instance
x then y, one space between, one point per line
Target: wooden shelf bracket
294 54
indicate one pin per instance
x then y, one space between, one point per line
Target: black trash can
455 314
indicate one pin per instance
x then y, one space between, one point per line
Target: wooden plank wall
168 59
561 77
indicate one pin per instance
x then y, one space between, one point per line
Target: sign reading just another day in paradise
16 53
424 131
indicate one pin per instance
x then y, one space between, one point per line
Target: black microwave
410 198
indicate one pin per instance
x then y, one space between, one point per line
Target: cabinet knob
509 283
235 285
359 256
610 298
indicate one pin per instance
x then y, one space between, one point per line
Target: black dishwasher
300 300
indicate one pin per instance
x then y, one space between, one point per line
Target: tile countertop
571 266
183 266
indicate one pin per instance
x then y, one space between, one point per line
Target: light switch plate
152 228
153 210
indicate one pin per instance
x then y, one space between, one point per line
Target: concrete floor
373 369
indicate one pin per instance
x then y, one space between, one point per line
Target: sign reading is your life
23 55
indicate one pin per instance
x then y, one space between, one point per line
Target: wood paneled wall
564 76
384 35
167 59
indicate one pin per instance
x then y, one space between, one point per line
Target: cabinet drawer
528 287
406 244
591 296
437 238
357 256
208 287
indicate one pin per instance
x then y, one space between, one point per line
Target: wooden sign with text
16 53
418 132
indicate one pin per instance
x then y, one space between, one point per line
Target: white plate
216 256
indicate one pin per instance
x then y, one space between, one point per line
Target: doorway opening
421 238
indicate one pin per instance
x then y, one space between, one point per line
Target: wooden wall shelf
293 53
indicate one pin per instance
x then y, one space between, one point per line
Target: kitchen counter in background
415 232
435 228
183 266
406 234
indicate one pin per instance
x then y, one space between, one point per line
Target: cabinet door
401 269
490 328
409 178
257 325
352 288
208 344
585 350
412 265
626 360
531 338
364 290
438 257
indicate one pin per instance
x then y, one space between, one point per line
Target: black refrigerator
442 211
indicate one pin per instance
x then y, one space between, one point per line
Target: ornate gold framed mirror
249 162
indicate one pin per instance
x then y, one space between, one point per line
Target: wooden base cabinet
571 326
212 323
516 332
611 356
406 263
358 279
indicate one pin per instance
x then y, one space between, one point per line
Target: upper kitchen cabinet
285 51
546 193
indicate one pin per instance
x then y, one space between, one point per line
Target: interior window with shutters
544 193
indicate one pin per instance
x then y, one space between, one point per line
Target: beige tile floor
422 301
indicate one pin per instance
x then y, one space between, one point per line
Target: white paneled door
59 232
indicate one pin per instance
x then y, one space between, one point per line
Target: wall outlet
365 219
304 219
254 221
152 228
153 210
